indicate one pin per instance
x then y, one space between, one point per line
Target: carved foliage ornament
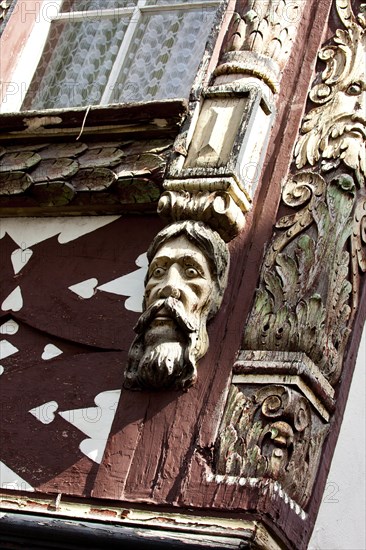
270 432
335 131
309 289
260 38
184 286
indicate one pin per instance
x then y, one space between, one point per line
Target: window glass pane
164 50
164 55
83 5
171 2
76 63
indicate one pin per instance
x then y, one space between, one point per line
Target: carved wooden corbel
309 291
184 286
219 160
271 431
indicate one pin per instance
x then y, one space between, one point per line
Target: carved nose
169 291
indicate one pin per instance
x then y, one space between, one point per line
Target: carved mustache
173 308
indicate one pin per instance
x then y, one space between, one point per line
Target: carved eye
158 272
191 272
354 89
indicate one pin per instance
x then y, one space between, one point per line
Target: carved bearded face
344 129
172 332
335 132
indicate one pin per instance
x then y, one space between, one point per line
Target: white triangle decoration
30 231
45 413
7 349
131 284
20 257
95 422
10 480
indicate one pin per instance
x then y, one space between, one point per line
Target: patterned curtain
163 56
75 64
161 61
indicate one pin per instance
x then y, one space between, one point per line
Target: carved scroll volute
184 286
269 432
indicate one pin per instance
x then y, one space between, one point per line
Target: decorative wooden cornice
103 160
102 522
75 177
133 120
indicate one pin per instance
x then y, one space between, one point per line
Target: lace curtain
163 56
75 64
83 5
161 59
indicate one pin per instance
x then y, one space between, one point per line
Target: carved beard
165 352
345 140
333 140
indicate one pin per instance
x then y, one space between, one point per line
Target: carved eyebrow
160 261
191 260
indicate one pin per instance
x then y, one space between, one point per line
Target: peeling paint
265 484
160 122
39 123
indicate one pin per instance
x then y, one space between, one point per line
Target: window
117 51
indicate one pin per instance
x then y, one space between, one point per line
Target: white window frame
30 56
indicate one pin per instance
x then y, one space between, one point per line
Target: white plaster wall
341 521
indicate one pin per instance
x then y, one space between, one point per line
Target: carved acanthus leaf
266 28
310 285
260 38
